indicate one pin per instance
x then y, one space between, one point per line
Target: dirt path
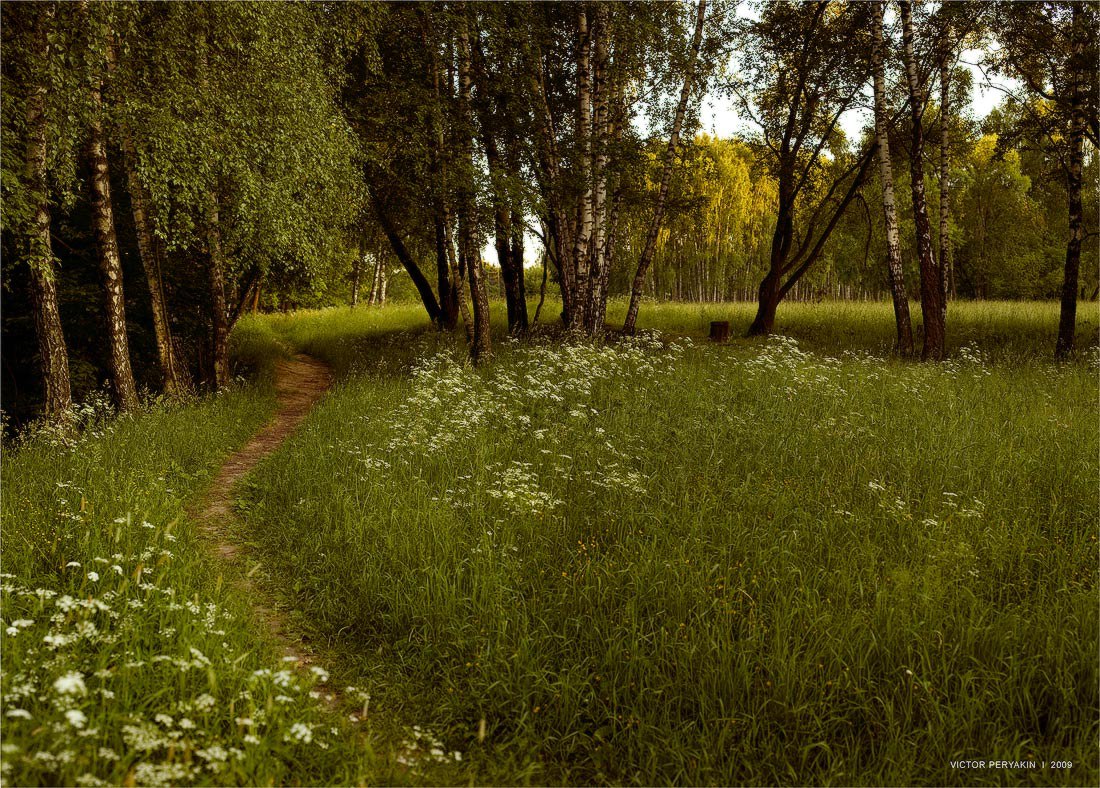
299 382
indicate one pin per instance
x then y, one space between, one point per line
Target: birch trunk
650 246
356 269
375 283
575 315
53 357
886 171
110 267
931 280
480 346
593 317
945 185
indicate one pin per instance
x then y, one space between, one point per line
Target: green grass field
789 561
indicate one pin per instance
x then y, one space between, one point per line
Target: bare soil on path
300 382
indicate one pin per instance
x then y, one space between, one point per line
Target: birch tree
931 274
26 192
896 273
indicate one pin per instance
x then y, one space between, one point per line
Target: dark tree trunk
110 267
519 285
768 295
448 289
945 185
767 303
446 285
219 313
931 280
176 378
502 156
1067 320
406 260
52 354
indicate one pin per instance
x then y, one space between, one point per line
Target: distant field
767 562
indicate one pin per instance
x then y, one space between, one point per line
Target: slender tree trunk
52 354
1067 321
502 157
215 260
650 246
176 378
356 272
459 268
594 321
585 217
601 127
110 267
219 314
945 184
376 283
382 280
427 297
448 289
931 280
893 245
542 287
514 286
608 259
480 347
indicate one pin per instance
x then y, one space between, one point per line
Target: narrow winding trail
299 382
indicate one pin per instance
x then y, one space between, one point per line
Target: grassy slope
701 564
126 654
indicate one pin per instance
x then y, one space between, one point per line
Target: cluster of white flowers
92 418
71 651
549 403
423 746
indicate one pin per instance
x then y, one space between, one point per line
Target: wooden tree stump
719 330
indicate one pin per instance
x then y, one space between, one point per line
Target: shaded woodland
170 167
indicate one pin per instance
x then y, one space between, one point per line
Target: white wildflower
71 683
300 732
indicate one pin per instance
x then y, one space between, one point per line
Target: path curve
300 381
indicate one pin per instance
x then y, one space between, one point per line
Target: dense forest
169 167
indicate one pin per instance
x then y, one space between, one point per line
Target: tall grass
642 562
128 657
652 563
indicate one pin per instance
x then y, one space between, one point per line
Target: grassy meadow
651 561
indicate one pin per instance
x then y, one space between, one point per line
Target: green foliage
239 101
